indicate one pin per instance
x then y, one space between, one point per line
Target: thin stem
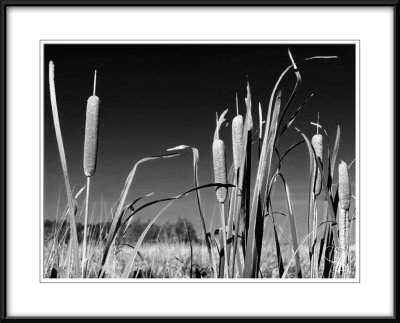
232 212
315 254
224 238
237 105
94 83
313 236
85 226
316 124
235 240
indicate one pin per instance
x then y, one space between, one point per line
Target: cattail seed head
91 136
344 186
218 149
237 135
317 142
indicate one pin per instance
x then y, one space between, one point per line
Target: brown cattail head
237 135
318 144
91 136
218 149
344 186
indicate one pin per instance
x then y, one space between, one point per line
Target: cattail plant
90 154
219 161
317 141
237 146
344 206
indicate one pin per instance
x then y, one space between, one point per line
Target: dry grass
172 260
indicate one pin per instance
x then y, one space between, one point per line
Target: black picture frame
5 5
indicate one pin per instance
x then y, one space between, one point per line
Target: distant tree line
180 231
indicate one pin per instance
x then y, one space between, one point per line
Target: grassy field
177 260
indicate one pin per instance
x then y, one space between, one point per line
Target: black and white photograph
197 159
217 161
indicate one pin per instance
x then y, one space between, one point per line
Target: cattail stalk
220 177
90 156
219 161
317 143
237 137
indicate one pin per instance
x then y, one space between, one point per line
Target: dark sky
154 97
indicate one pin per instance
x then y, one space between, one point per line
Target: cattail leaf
217 240
199 202
291 148
120 205
127 217
294 91
311 187
263 171
130 206
293 117
278 252
248 106
143 235
60 144
220 121
260 121
259 234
